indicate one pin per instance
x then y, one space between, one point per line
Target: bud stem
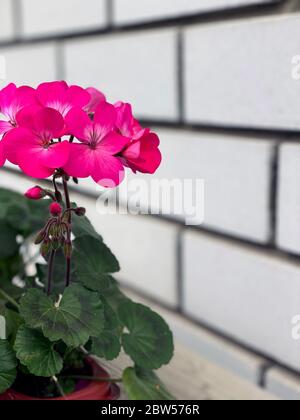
50 271
68 209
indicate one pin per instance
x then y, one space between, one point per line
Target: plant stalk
50 271
68 207
9 298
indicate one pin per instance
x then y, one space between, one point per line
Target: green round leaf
81 226
8 364
74 318
107 345
149 341
37 353
142 384
93 259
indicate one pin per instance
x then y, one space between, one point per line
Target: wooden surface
191 377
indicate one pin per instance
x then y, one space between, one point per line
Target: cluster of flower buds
56 234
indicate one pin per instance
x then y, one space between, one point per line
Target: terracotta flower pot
86 390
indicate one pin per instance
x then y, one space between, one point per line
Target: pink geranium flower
61 97
12 100
31 145
96 155
96 98
142 152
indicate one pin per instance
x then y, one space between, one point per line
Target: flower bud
55 243
55 209
35 193
80 211
40 237
45 247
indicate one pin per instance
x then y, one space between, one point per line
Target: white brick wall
250 295
240 74
129 11
288 205
62 16
6 20
30 64
137 68
237 176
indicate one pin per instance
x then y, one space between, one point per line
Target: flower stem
50 271
68 208
9 298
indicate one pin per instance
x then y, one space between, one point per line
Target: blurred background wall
219 81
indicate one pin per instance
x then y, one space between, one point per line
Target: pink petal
29 158
79 124
107 170
77 96
80 162
26 117
52 93
7 95
124 119
5 126
96 97
13 140
113 143
133 151
106 116
2 154
49 121
55 156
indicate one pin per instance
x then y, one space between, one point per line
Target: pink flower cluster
58 126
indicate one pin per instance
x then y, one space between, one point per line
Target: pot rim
105 390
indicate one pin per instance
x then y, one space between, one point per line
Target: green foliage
8 365
45 333
142 384
149 341
93 259
72 318
37 353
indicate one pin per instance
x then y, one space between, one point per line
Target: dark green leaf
13 323
149 341
8 364
37 353
93 259
8 241
81 226
142 384
108 344
18 217
73 318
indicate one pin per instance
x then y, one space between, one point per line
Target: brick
62 16
145 248
208 345
288 205
247 79
29 65
6 20
283 383
127 68
237 176
130 11
250 296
